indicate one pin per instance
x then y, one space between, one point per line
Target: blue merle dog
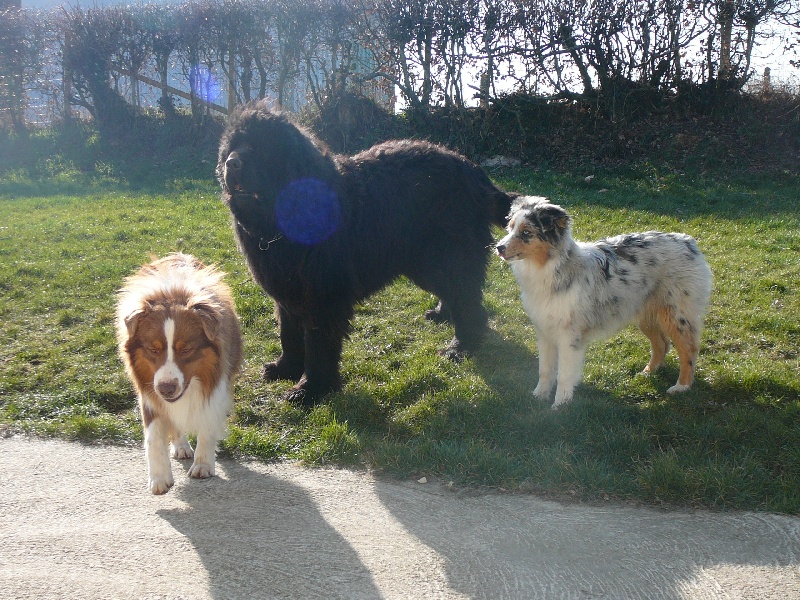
576 292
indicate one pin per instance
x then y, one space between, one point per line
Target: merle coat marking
321 232
576 292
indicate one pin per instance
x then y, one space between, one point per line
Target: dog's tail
501 202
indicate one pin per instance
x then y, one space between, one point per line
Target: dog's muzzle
170 389
233 172
234 163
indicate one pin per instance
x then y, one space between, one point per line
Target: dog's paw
282 369
457 350
181 450
563 398
306 396
308 392
542 392
650 370
201 470
678 388
160 485
301 396
453 354
440 314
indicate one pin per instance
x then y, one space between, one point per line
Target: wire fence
46 96
47 66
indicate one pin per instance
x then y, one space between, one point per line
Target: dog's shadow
259 535
508 367
512 368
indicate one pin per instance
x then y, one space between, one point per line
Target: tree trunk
12 82
568 40
727 9
231 81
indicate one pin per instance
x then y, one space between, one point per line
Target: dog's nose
500 248
234 163
167 389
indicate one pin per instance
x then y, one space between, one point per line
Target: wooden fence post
231 79
66 82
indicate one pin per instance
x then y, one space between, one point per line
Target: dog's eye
526 235
185 351
155 350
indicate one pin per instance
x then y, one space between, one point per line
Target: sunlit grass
731 442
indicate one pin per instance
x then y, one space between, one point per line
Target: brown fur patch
534 250
538 252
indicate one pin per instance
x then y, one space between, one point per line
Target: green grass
69 233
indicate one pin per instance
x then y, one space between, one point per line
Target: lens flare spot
204 84
308 211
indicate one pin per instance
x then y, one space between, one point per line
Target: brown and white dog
180 341
576 292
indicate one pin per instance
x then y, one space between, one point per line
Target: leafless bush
617 56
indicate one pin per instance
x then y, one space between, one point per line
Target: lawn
69 234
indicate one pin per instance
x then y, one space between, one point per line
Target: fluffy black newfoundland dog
321 232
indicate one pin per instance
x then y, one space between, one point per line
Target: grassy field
69 234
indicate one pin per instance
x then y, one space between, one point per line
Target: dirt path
77 522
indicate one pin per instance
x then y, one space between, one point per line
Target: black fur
400 208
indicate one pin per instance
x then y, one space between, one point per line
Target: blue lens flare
308 211
204 84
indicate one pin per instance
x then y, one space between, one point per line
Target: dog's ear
208 313
554 221
561 222
132 320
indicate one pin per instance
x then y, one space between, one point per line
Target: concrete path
77 522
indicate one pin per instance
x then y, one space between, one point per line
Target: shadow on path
260 536
511 546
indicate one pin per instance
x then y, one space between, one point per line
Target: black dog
321 232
